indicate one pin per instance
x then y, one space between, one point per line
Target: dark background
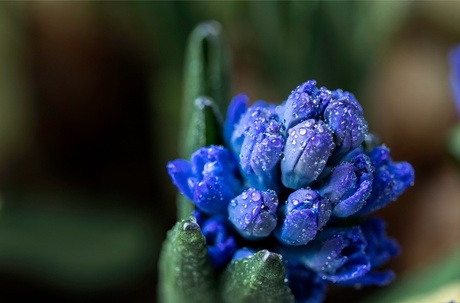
89 108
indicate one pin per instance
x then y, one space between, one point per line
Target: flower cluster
297 179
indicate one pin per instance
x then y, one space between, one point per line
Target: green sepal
206 94
185 272
259 278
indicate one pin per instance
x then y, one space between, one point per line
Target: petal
180 171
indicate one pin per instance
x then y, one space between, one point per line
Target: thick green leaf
206 73
185 272
260 278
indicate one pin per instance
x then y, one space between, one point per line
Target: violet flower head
220 241
391 179
308 147
305 102
253 213
209 180
349 185
303 215
454 57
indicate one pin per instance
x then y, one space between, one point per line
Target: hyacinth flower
304 213
253 213
209 179
349 185
391 179
379 249
280 201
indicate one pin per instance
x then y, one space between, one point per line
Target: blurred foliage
89 97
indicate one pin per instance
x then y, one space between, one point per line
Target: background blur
89 109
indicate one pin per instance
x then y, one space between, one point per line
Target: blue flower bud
253 213
243 253
349 186
379 250
210 179
221 244
305 102
238 106
307 150
304 213
255 117
336 254
391 179
305 284
345 117
455 75
260 155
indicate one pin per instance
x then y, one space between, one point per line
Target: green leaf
206 95
185 272
260 278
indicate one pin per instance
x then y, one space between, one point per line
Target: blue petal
243 253
336 254
372 278
305 102
236 109
303 215
391 179
455 75
305 284
221 244
180 171
345 117
253 213
349 186
260 155
308 147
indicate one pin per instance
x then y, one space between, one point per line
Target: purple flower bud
379 249
307 150
303 215
349 186
305 284
238 106
336 254
305 102
391 179
260 155
243 253
210 179
255 118
221 244
345 117
253 213
455 75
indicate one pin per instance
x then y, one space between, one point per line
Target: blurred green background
89 116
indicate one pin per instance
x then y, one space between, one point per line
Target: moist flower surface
298 179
